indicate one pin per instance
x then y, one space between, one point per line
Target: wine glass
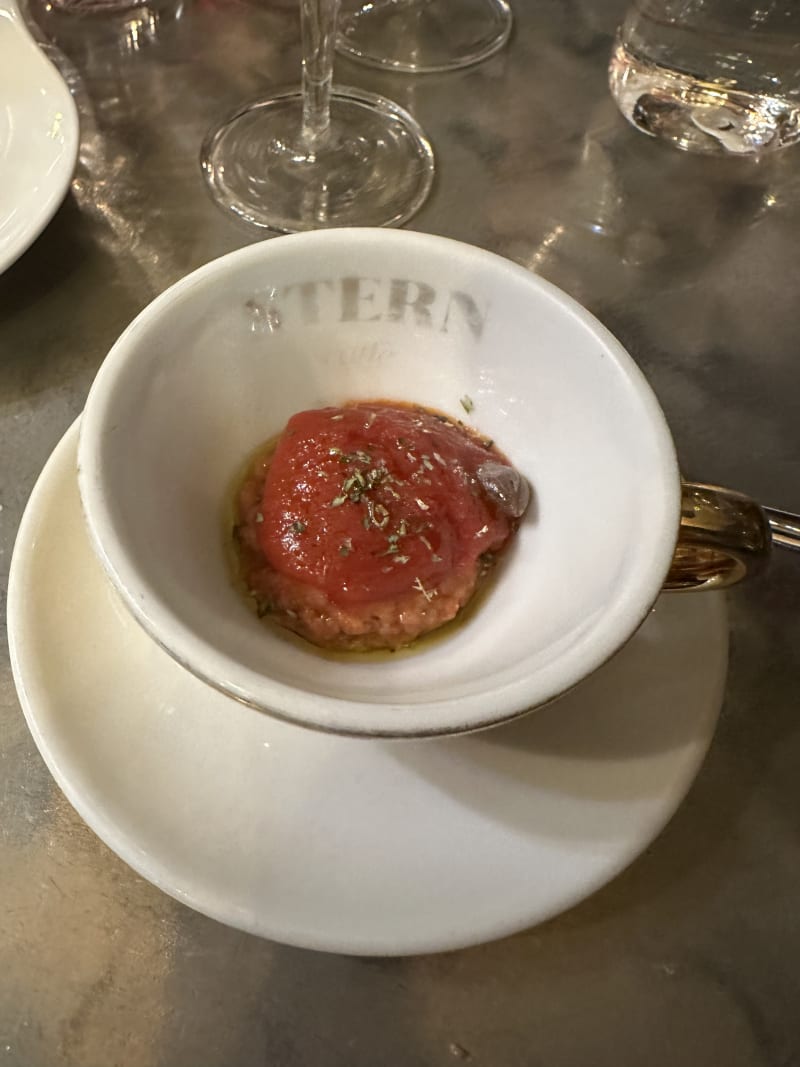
318 156
423 36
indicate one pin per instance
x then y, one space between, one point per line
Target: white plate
366 847
38 137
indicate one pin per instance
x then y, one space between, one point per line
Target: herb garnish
353 457
428 594
263 607
467 404
377 515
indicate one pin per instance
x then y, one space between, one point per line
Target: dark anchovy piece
505 486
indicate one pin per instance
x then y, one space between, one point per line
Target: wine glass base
94 7
374 169
423 36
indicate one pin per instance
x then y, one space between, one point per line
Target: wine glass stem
318 25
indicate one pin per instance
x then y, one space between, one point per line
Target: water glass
713 76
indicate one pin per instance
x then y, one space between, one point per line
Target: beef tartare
368 525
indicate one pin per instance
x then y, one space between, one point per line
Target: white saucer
364 847
38 137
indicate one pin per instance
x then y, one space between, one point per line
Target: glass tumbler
713 76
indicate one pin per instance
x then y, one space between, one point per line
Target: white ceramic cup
219 363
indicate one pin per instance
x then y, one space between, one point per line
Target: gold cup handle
723 536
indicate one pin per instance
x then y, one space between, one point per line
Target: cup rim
352 717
